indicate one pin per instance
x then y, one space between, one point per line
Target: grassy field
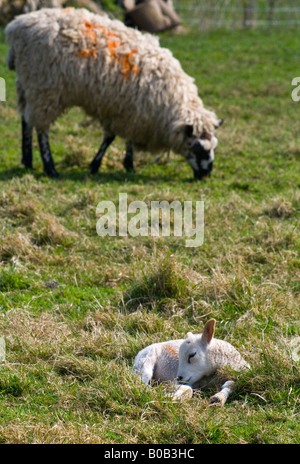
70 343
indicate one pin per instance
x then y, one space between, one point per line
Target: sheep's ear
189 335
220 123
208 332
189 129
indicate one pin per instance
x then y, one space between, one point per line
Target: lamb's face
192 361
194 356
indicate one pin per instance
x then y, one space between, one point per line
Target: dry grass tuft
46 230
18 246
161 280
280 208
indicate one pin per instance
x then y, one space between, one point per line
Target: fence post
271 11
248 13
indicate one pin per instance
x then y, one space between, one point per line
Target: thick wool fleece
118 75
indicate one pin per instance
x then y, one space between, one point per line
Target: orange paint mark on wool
89 32
86 52
92 39
125 61
91 35
68 10
171 351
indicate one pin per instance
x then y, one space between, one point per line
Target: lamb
121 77
192 362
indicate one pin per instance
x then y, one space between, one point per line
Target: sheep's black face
201 159
201 156
200 151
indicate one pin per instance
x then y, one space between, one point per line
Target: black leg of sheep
108 139
95 164
26 144
128 160
46 155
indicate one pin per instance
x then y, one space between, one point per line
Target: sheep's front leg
182 392
220 398
26 144
128 160
46 155
95 164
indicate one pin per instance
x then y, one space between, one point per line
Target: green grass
75 308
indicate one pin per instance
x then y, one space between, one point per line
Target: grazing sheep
193 362
119 76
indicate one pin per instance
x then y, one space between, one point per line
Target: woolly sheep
121 77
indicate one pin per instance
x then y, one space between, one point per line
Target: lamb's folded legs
26 144
183 392
95 164
49 167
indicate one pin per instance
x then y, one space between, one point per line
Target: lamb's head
193 360
199 151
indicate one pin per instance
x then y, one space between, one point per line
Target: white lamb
118 75
192 362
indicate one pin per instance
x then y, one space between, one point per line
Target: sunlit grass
75 308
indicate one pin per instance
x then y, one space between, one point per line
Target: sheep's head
194 360
200 151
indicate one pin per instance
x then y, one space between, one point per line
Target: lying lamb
192 362
118 75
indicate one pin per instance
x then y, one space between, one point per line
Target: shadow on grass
84 176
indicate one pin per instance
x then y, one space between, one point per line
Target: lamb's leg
46 155
182 392
95 164
128 160
220 398
26 144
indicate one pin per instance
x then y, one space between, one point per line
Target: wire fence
214 14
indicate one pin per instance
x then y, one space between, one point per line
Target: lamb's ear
208 331
189 335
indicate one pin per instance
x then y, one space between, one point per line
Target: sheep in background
119 76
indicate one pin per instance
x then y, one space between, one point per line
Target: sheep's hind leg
26 144
46 155
128 160
95 164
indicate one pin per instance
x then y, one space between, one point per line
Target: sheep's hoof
217 400
130 169
94 168
27 165
128 165
52 173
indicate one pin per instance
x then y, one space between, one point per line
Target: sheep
120 76
192 362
